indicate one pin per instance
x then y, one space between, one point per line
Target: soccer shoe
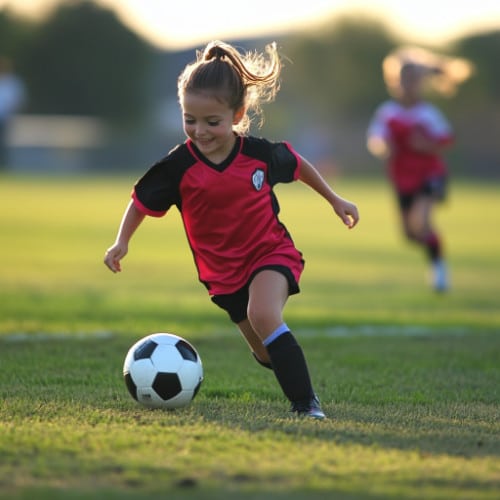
440 276
310 408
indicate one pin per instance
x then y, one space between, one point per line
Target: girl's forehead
203 100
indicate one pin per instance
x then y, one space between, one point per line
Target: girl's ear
238 115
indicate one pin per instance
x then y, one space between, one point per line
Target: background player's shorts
435 187
236 304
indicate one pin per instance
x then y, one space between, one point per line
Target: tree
338 68
83 60
484 51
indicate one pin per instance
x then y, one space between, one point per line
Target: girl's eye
189 121
213 124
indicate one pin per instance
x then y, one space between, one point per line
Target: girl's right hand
113 256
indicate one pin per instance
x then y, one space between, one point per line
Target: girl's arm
423 143
377 135
433 135
131 220
346 210
379 147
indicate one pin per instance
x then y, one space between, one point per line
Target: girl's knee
263 320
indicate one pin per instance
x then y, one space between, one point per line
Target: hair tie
216 52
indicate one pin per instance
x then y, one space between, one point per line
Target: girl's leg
268 294
418 227
255 344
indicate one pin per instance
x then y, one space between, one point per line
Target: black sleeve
158 189
283 165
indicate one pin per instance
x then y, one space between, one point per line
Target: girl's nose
199 129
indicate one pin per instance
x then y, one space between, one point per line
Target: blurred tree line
81 60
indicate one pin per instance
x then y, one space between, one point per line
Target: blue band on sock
283 328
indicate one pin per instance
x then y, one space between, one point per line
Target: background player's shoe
440 276
310 408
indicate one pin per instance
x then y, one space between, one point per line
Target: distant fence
54 142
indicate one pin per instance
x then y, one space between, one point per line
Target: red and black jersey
229 210
408 169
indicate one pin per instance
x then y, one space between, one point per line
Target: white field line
386 331
335 331
43 336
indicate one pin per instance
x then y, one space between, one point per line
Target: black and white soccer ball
163 370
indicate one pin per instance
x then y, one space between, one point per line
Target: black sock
432 244
290 368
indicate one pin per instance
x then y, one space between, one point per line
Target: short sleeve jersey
229 210
407 168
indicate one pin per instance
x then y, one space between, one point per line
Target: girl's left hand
347 211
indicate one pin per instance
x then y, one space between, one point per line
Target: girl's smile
208 122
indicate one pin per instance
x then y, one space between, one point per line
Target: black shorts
236 304
434 187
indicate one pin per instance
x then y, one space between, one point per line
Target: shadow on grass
81 379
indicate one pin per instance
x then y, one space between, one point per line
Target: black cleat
310 408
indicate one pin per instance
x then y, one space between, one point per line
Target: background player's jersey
394 123
229 211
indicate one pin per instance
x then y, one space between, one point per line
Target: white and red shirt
394 123
229 210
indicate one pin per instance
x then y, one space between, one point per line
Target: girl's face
209 122
411 82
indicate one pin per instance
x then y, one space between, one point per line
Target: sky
181 24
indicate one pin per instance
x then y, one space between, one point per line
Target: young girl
411 134
221 181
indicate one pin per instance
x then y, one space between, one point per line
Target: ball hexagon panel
143 372
166 358
148 397
189 375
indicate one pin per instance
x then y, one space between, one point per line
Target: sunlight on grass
60 229
206 454
409 379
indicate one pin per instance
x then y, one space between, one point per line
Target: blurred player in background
410 133
12 95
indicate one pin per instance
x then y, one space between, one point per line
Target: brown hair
441 73
242 80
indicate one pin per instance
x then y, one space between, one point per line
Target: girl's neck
408 101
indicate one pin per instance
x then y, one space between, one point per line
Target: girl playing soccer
411 134
221 180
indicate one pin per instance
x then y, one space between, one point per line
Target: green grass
410 379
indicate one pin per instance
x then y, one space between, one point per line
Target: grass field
410 379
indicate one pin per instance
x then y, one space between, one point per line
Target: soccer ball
163 370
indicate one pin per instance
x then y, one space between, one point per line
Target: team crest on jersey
258 179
